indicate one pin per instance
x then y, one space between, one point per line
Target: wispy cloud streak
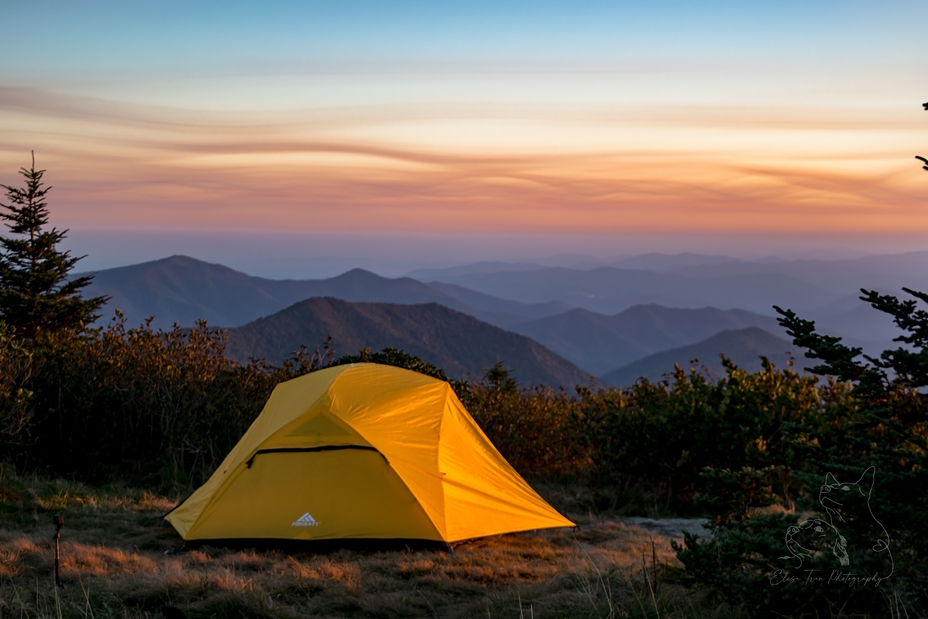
468 167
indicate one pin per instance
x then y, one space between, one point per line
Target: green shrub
664 435
863 471
540 431
16 410
156 408
162 408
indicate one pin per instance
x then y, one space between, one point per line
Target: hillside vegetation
162 408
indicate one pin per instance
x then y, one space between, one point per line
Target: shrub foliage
159 408
861 470
162 408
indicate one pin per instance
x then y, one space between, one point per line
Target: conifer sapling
36 294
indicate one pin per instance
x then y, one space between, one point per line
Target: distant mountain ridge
743 346
599 343
610 290
182 289
822 280
477 267
459 344
500 312
599 319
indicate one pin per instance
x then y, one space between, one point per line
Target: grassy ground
114 565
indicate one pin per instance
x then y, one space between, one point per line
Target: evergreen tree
35 292
499 379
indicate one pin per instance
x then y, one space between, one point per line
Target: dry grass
114 565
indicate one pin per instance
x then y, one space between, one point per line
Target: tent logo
306 521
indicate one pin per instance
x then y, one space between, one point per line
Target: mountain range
743 346
182 289
459 344
600 343
610 290
840 276
598 321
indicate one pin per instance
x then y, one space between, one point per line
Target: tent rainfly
363 451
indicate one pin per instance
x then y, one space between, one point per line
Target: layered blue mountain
742 346
599 343
610 285
182 290
599 319
610 290
461 345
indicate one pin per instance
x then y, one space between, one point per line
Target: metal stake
58 521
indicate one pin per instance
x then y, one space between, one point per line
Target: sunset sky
684 125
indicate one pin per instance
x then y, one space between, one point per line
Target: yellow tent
363 451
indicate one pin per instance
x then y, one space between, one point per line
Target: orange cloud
476 168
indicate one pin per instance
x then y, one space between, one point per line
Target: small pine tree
35 292
499 379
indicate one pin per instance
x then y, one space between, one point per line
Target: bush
540 431
16 366
645 448
162 408
873 534
663 435
156 408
